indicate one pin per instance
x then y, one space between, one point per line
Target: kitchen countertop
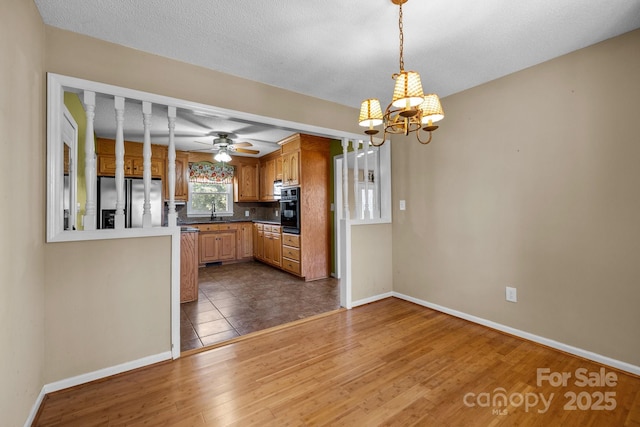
187 229
224 221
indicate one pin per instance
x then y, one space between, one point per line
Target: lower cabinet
258 241
272 246
225 242
244 243
267 246
217 246
291 253
188 266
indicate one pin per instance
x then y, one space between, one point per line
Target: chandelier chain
401 39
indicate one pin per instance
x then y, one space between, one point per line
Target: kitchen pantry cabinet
246 179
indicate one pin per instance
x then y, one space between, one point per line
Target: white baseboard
371 299
92 376
614 363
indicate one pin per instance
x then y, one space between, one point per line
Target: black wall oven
290 210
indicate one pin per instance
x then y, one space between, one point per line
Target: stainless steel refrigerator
134 201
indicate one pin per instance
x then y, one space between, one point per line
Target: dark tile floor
237 299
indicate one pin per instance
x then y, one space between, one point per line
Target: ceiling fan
223 144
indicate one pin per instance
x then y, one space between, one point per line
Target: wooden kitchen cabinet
278 166
305 163
188 266
291 168
268 174
182 178
258 241
272 245
217 246
133 166
133 159
244 244
291 253
246 182
267 246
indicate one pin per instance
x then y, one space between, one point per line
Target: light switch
403 205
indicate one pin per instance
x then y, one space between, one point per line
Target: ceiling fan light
222 156
370 113
431 109
407 92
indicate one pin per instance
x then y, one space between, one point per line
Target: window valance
206 172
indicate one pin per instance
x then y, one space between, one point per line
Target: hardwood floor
387 363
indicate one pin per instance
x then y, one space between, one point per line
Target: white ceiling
346 51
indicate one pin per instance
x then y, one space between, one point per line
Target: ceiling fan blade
244 150
242 144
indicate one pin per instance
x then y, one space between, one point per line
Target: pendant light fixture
410 109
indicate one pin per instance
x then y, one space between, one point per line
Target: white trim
586 354
92 376
372 299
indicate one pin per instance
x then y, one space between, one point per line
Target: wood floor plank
386 363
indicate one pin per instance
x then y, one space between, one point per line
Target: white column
356 147
345 178
146 172
119 218
172 217
89 219
367 208
376 181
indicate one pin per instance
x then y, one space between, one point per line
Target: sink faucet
213 211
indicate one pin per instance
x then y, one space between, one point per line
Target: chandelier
410 109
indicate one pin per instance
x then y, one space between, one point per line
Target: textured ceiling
345 51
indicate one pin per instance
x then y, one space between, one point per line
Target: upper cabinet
246 182
133 159
182 180
302 157
268 174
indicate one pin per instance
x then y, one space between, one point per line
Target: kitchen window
208 198
210 189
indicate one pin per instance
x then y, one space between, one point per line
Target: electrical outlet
512 294
403 205
277 213
246 213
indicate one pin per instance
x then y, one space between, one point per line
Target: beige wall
113 311
371 257
532 181
84 57
22 169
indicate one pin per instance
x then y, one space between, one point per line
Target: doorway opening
242 298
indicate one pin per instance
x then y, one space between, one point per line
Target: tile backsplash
265 211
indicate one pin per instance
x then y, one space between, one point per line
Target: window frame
200 213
